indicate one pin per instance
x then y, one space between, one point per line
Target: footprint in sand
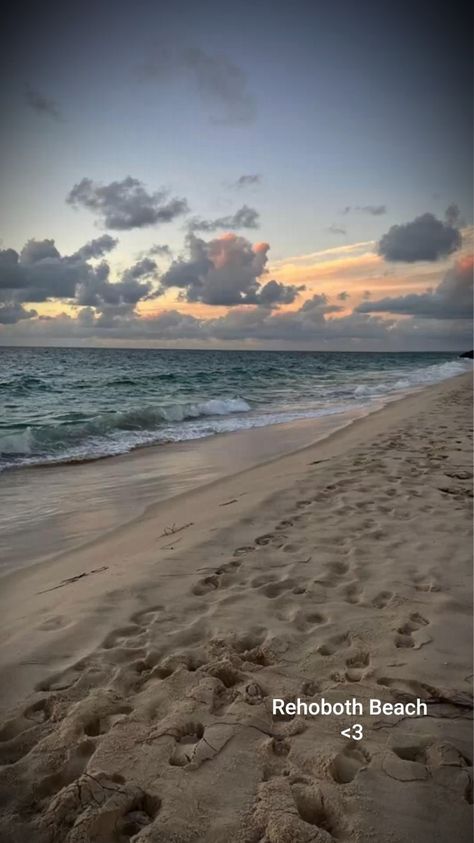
97 726
21 734
61 681
274 589
412 634
254 693
345 766
195 744
284 525
270 538
222 577
303 504
77 761
426 585
33 715
382 599
55 622
205 585
185 742
241 551
338 569
430 758
352 593
332 645
302 621
100 807
314 810
356 666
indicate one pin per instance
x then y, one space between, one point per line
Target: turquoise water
62 405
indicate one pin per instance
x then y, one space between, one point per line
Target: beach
139 665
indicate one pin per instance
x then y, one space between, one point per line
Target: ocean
64 405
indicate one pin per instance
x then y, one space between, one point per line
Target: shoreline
322 572
154 473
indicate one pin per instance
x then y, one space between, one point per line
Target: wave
43 439
24 383
28 448
419 377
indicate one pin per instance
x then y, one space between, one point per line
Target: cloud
124 205
274 293
42 104
247 181
251 327
452 216
245 217
451 299
336 229
226 271
218 80
160 250
13 312
312 325
134 286
96 248
424 239
40 273
373 210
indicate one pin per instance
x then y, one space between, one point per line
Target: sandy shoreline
141 667
39 517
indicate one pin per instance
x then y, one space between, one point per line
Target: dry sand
138 671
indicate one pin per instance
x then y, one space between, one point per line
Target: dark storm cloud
424 239
451 299
373 210
218 80
40 273
123 205
42 104
245 217
226 271
13 312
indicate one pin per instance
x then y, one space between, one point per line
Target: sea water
67 405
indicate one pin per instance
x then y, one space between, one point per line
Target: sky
260 175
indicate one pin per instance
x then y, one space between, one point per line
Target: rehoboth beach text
349 707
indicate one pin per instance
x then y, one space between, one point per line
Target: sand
138 670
